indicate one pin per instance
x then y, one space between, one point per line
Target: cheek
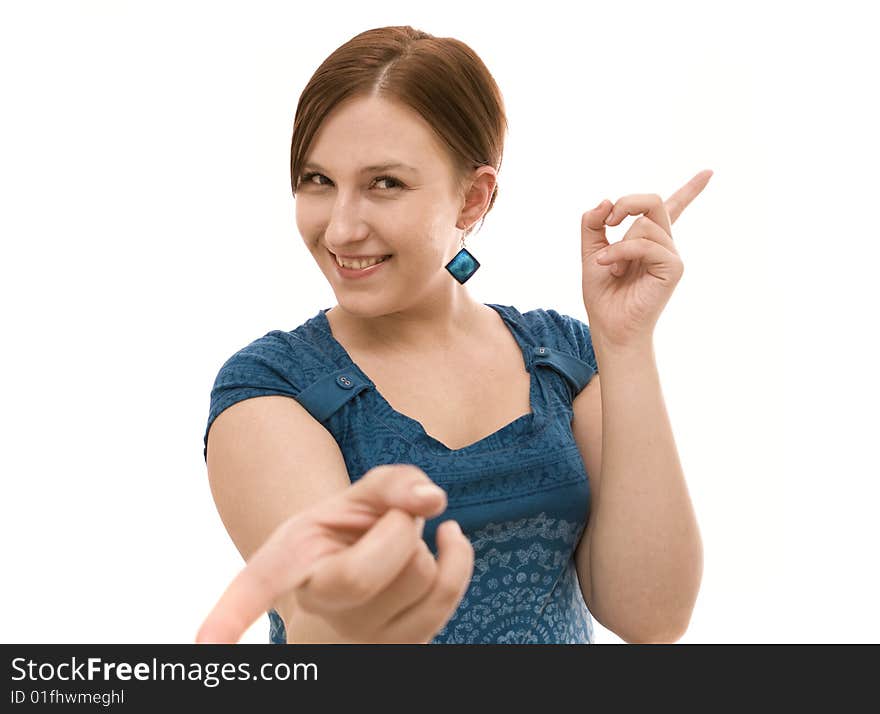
308 223
300 217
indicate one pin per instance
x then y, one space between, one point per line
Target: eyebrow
378 167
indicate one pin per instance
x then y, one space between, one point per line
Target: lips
359 257
334 258
355 273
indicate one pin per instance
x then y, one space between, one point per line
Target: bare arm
646 554
268 459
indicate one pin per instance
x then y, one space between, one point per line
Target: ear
479 189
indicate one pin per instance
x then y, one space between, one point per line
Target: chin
366 307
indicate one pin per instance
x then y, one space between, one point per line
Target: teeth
359 264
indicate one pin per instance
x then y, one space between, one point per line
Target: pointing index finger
274 569
682 198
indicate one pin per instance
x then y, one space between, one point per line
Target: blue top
521 494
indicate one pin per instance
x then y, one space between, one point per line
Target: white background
148 233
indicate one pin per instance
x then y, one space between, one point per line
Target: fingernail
457 527
424 490
602 257
600 205
609 218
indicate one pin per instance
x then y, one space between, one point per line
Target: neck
426 327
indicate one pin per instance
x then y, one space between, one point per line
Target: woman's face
408 212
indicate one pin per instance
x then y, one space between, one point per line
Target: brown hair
441 78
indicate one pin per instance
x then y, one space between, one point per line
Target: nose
344 230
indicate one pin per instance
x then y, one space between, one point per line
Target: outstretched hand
345 551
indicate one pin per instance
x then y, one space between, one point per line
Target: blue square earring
463 265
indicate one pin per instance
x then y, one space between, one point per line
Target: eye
391 179
306 178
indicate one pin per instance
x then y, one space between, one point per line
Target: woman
320 433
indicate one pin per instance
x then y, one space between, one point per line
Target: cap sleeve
266 366
574 334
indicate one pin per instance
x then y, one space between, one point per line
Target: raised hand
627 284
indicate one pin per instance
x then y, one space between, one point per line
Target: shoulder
560 331
278 363
282 353
274 351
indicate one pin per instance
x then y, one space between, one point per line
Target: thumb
593 229
394 486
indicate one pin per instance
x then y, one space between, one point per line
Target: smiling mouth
384 259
